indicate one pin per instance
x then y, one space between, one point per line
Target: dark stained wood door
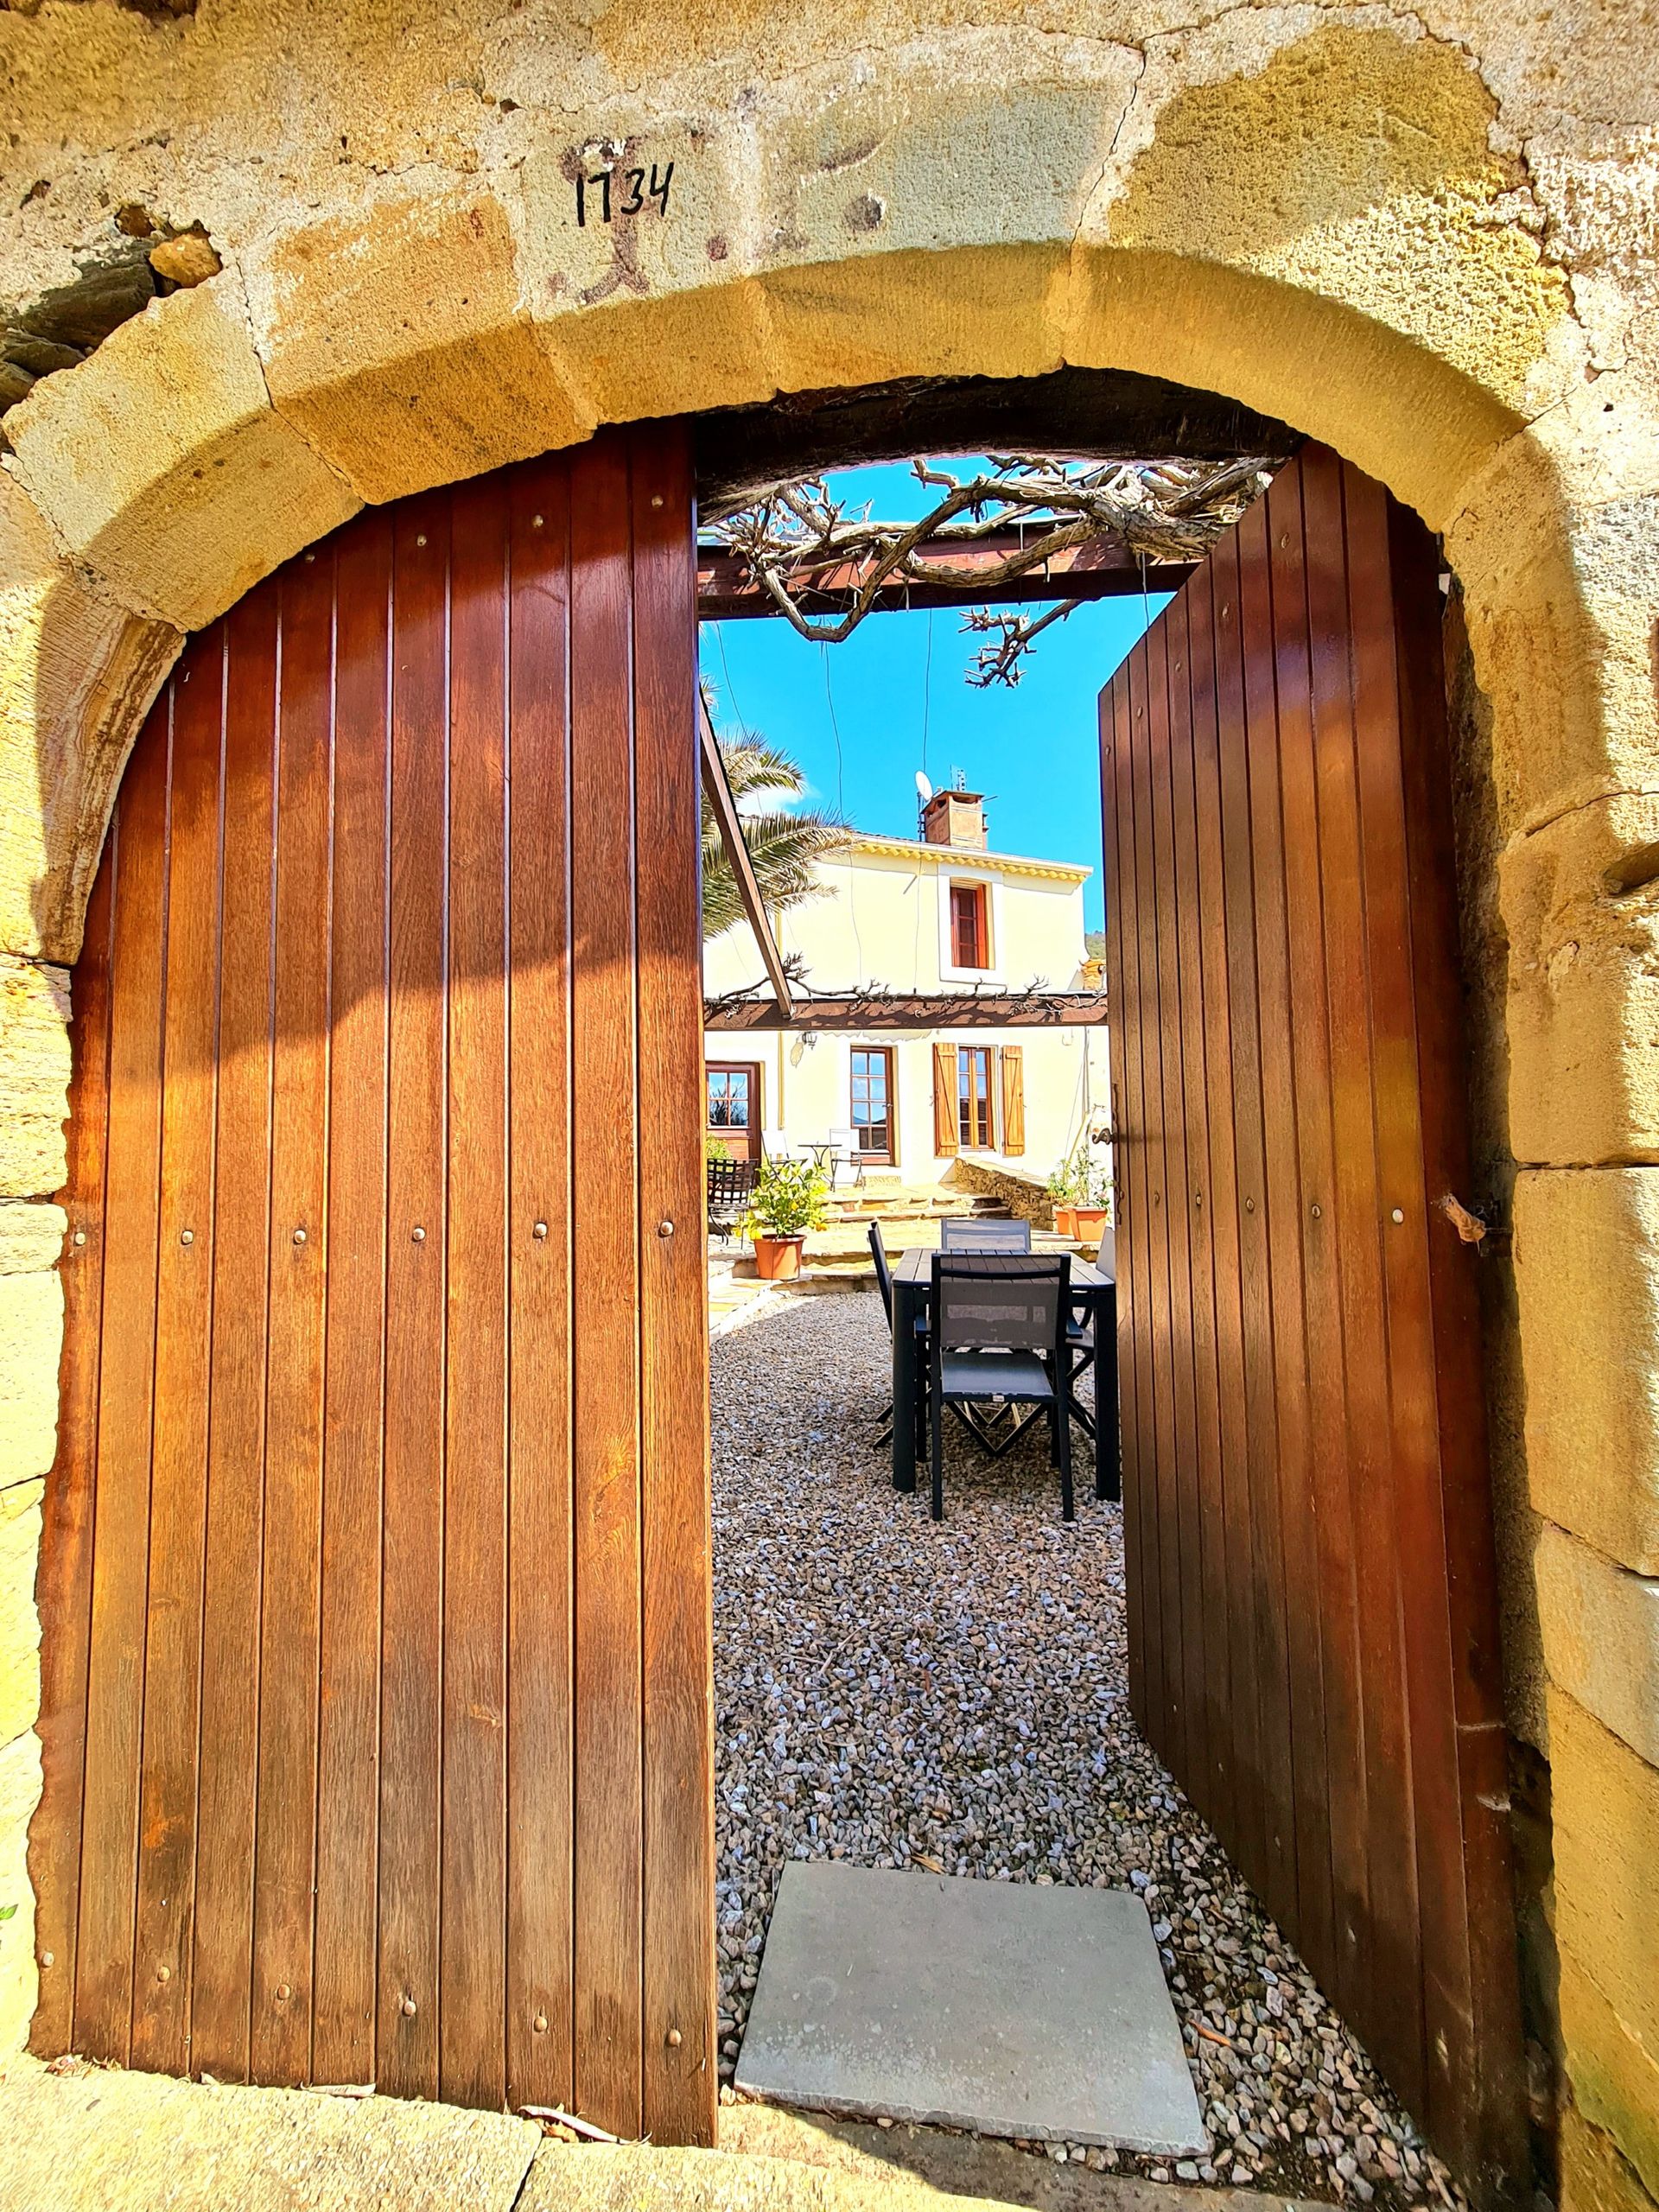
1314 1638
377 1711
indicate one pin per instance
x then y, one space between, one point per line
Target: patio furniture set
999 1336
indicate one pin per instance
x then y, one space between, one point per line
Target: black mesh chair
999 1338
884 1283
731 1186
1080 1344
958 1233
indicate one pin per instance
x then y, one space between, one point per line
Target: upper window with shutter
970 936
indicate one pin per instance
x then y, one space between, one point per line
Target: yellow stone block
1606 1809
1581 903
20 1792
398 340
1586 1264
1600 1629
34 1077
31 1341
1615 2081
1595 2176
77 675
20 1626
162 465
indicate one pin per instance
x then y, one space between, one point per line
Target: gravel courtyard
896 1694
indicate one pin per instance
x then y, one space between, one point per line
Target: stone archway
977 202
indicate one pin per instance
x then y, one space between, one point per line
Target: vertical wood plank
168 1781
540 1925
64 1584
103 1964
1212 1782
411 1777
681 2069
606 1295
231 1575
1170 1208
1241 1813
1118 847
472 2060
343 2026
1153 1358
1284 1202
285 1847
1388 1955
1268 1632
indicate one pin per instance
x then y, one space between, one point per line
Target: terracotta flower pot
1065 1221
1090 1221
778 1259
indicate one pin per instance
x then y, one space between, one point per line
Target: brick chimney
956 819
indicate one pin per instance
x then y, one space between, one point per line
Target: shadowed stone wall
1426 236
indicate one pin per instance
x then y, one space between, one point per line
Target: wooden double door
1312 1618
378 1713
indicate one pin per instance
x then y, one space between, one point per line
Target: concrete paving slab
102 2141
1003 2007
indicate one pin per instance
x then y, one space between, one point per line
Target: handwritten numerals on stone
622 192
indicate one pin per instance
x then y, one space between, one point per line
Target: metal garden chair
999 1338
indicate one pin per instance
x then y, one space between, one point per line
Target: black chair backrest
883 1271
960 1233
1005 1301
731 1185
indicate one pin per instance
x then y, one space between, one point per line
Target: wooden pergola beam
899 1010
726 590
719 790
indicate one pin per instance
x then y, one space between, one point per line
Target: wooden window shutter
945 1099
1013 1098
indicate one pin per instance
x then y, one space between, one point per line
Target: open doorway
955 1698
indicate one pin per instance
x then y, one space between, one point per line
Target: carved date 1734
623 191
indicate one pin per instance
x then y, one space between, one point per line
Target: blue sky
1034 751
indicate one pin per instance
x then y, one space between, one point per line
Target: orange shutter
945 1099
1013 1098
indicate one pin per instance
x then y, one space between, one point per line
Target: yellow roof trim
959 856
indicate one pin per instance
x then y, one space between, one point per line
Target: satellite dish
924 789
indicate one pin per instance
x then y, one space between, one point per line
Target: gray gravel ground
895 1692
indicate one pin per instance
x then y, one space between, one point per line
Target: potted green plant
788 1200
1093 1212
1063 1190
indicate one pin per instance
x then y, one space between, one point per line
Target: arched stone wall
1427 237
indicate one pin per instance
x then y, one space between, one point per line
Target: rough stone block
1601 1637
1581 903
1615 2079
31 1235
1586 1262
1557 545
77 675
1595 2175
1605 1806
20 1627
400 344
34 1077
31 1340
20 1792
217 489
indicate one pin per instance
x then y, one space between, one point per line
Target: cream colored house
941 914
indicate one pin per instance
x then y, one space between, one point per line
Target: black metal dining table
1094 1298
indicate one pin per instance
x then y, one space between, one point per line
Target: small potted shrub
788 1201
1063 1190
1093 1212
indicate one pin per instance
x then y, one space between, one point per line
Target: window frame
973 897
966 1121
885 1155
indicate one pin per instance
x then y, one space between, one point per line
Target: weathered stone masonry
1427 236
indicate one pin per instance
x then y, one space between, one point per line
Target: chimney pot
956 819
